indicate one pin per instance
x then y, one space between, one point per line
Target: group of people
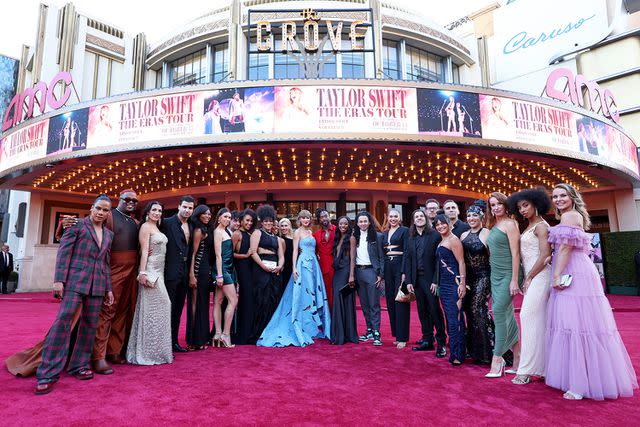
277 287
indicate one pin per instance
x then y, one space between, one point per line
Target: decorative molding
457 23
105 44
423 29
195 31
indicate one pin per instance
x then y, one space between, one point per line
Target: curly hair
538 197
266 212
372 235
412 228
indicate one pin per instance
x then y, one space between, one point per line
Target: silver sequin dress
150 341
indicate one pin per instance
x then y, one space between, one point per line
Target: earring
537 214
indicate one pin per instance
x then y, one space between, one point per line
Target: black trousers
429 311
4 278
177 290
399 312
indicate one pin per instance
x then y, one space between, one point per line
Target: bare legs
228 292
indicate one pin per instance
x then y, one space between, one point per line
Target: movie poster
144 119
591 136
621 149
445 112
248 110
345 109
68 132
527 123
595 254
25 145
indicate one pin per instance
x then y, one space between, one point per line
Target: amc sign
22 105
573 90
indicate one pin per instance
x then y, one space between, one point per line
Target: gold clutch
404 295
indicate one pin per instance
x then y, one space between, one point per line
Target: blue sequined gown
303 313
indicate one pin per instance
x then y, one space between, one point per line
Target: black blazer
401 238
429 260
376 254
4 268
176 264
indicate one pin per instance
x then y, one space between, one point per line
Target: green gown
506 327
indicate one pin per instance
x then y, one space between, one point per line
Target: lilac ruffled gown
584 351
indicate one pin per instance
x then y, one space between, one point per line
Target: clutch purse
565 280
270 264
347 288
404 295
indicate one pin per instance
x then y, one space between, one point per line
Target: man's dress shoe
177 348
425 346
102 367
43 388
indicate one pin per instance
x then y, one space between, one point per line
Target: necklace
127 217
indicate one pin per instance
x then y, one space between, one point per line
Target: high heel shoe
225 341
215 341
497 374
521 379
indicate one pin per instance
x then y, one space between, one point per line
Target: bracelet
140 273
220 276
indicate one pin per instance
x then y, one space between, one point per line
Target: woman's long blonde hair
578 203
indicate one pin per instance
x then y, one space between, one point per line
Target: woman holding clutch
267 251
585 356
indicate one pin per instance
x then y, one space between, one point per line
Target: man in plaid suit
82 276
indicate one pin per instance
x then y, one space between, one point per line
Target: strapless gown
150 340
303 313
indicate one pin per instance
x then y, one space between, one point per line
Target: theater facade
345 105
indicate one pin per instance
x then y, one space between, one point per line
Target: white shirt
362 251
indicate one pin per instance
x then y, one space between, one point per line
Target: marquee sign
310 37
601 101
311 32
41 94
173 118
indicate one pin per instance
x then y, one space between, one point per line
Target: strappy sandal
521 379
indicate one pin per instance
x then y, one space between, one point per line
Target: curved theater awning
400 136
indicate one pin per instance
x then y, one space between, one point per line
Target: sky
18 23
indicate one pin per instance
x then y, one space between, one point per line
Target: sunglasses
129 200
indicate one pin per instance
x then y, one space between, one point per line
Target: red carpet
320 384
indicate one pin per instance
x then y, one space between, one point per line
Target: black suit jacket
376 255
4 268
429 260
177 261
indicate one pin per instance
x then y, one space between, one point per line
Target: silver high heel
497 374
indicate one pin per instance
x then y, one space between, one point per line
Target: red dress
324 249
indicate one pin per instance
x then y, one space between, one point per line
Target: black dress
288 264
480 329
245 313
393 268
198 299
266 287
343 311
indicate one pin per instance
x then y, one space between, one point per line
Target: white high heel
497 374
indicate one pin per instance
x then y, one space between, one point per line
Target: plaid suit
84 269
